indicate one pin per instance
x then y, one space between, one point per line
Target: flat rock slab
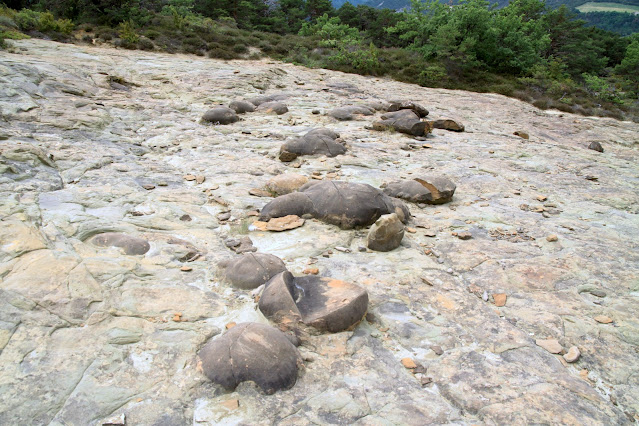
427 189
324 303
344 204
251 352
251 270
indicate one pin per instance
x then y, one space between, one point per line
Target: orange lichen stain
445 302
336 284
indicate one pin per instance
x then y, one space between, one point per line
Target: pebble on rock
572 355
500 299
386 234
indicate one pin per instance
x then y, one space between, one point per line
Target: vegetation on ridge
526 50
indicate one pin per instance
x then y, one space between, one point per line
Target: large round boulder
347 205
427 189
323 303
241 107
220 115
278 108
251 270
251 352
317 141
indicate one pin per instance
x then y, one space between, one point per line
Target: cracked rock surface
89 332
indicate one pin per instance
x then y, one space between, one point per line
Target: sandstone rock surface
89 333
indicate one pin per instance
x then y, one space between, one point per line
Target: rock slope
117 203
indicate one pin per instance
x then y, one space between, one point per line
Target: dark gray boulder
315 142
403 121
251 352
399 105
323 303
350 112
447 124
347 205
427 189
278 108
596 146
130 245
259 100
241 107
220 115
251 270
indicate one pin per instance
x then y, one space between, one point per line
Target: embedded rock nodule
428 189
317 141
251 270
251 352
220 115
130 245
347 205
325 304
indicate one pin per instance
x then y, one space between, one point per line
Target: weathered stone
285 183
352 112
344 204
448 124
551 345
317 141
251 270
521 134
386 234
324 303
572 355
130 245
403 124
241 107
259 100
500 299
279 224
427 189
400 105
251 352
220 115
596 146
278 108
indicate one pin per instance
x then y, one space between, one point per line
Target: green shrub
27 19
7 22
240 48
220 53
127 33
146 44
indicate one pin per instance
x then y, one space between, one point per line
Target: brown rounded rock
251 352
130 245
386 234
324 303
251 270
220 115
